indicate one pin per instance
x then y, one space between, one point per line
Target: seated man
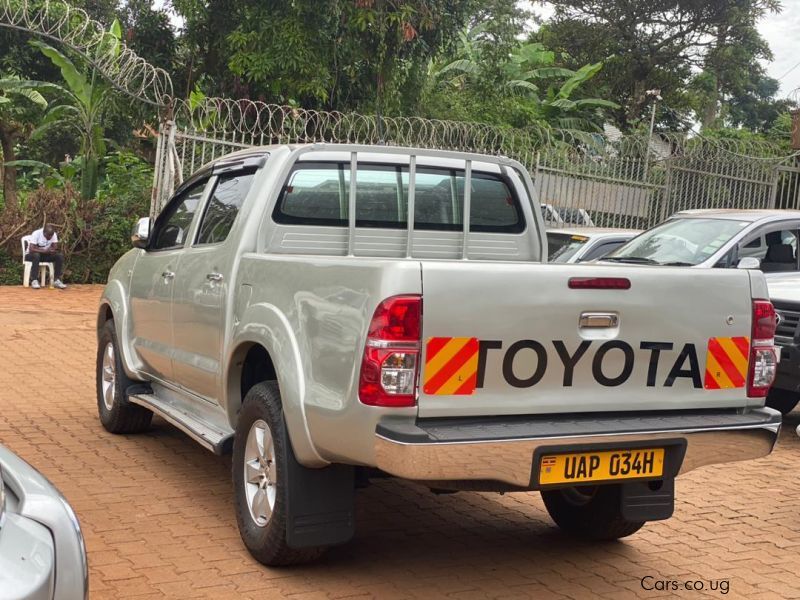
43 247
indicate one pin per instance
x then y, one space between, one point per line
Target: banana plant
21 102
87 97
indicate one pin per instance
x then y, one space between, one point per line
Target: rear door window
223 206
318 194
172 226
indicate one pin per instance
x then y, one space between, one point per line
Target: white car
585 244
747 239
561 215
42 553
718 238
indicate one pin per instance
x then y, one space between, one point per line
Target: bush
93 233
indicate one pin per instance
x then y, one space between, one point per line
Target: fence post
158 172
666 192
773 195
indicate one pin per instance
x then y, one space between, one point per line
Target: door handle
168 274
215 277
593 320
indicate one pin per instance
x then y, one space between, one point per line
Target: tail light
391 355
763 359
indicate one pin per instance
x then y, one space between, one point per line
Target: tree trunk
9 172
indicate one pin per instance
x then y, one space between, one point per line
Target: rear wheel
782 400
261 460
116 414
591 512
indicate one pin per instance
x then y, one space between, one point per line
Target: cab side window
173 224
777 249
223 206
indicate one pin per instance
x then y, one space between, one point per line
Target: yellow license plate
607 465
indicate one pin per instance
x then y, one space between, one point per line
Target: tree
732 71
319 53
20 101
88 97
526 86
648 44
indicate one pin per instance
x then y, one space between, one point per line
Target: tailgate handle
597 320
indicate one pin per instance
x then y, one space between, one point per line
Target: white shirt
38 239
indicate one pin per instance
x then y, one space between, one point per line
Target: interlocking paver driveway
156 508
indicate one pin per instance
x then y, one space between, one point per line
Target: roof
738 214
594 232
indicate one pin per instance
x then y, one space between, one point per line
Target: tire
117 414
263 525
782 400
590 512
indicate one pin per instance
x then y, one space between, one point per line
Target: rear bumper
503 449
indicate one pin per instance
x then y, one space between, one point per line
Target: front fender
264 324
115 296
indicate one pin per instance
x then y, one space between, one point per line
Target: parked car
42 554
560 215
551 216
275 309
584 244
760 239
784 291
718 238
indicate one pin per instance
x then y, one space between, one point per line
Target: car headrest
782 253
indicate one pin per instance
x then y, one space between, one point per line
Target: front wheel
591 512
261 461
117 414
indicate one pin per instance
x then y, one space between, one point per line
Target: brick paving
157 514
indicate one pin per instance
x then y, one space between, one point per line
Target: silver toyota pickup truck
331 312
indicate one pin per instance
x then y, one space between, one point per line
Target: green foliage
94 233
528 86
87 97
10 269
649 45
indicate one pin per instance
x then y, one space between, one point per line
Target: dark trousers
36 258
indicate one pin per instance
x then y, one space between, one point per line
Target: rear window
563 246
318 194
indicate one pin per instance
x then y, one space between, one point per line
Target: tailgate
510 338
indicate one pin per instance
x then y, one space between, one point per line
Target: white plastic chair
44 267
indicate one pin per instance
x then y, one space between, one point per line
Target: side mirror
141 233
749 262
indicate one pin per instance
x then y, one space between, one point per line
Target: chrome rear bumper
503 449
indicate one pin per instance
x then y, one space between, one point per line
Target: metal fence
582 179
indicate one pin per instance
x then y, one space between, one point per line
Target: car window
223 207
173 224
318 194
777 250
561 247
601 250
685 241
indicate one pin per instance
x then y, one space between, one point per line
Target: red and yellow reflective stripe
726 362
451 366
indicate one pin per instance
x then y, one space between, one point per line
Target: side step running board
204 433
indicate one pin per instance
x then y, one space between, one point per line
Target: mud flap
322 507
647 500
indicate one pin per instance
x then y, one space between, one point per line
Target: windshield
563 246
679 242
